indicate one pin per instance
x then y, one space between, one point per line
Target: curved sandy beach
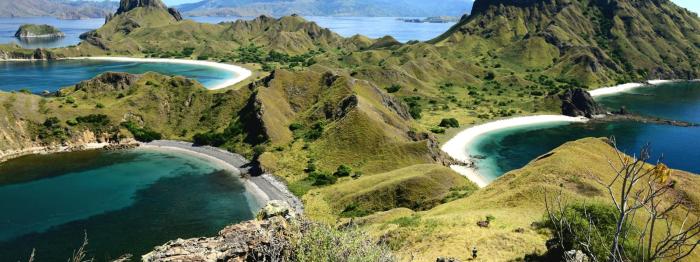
457 146
240 73
262 188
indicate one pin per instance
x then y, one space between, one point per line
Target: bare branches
647 208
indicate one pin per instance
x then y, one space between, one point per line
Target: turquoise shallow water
679 147
126 202
38 76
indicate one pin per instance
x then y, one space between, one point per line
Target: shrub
580 216
437 130
95 119
343 171
322 178
393 88
142 134
319 242
490 76
315 132
449 122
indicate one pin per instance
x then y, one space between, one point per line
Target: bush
142 134
320 242
393 88
490 76
449 122
99 120
315 132
437 130
343 171
580 216
322 178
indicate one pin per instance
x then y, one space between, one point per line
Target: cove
125 201
38 76
679 147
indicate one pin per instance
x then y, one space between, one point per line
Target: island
434 20
38 31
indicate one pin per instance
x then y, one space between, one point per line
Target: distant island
434 20
360 8
38 31
69 10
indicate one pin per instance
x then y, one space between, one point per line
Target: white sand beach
457 146
612 90
240 73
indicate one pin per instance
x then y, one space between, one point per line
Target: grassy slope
515 200
417 187
184 107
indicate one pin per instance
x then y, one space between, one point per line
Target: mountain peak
128 5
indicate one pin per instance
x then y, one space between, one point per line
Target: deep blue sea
72 29
679 147
38 76
126 202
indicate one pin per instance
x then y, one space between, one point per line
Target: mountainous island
363 8
354 126
62 9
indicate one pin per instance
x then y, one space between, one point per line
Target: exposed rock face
108 82
38 31
38 54
176 14
241 242
578 102
128 5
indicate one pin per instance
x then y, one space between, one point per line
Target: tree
638 192
343 171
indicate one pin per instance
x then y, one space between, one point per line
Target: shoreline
240 73
262 188
46 150
457 147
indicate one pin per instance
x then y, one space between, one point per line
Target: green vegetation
142 134
449 123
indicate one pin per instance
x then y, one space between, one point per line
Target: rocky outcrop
79 141
38 31
108 82
578 102
128 5
22 54
247 241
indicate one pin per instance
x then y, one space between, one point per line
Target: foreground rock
38 31
248 241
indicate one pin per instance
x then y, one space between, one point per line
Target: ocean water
125 201
38 76
72 29
374 27
679 147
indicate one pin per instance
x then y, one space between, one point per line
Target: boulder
575 256
276 208
578 102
